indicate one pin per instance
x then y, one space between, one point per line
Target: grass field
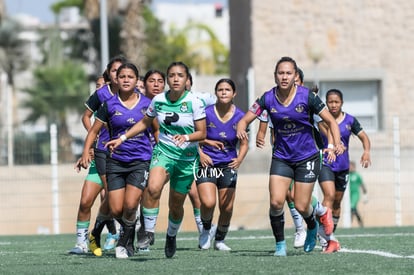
364 251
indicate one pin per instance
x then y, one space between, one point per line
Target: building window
361 99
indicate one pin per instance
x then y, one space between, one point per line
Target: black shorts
303 171
100 161
222 176
119 174
340 178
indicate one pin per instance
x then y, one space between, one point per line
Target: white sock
320 209
172 228
297 219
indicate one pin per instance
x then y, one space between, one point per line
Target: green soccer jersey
177 118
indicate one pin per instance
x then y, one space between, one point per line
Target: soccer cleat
94 245
170 246
110 241
300 237
146 240
327 221
221 246
280 249
333 246
121 252
143 250
204 240
310 240
80 248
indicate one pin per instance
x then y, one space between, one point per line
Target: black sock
206 224
221 232
310 222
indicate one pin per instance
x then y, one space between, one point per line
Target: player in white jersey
181 117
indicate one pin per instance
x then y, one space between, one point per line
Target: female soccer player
295 152
128 165
181 117
337 173
219 162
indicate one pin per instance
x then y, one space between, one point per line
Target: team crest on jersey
184 107
234 126
143 110
211 125
131 120
118 113
273 110
348 127
223 134
289 126
300 108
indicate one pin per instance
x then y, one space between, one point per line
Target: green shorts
182 173
93 175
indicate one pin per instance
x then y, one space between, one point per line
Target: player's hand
113 144
330 155
205 160
260 142
365 198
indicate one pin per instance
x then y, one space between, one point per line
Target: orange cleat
333 246
327 221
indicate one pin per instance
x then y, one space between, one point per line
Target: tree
13 57
60 86
57 91
212 56
133 33
162 48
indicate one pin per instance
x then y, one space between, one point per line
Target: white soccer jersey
177 118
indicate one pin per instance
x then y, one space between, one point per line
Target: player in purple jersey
100 153
127 166
219 162
208 99
154 84
337 173
92 186
295 151
300 231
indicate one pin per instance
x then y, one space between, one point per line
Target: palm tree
12 60
133 33
57 91
13 57
212 55
60 86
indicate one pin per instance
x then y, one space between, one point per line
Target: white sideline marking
375 252
342 250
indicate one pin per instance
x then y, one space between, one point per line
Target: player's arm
244 147
366 144
85 159
334 130
261 134
86 119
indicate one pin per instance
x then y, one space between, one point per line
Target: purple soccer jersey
93 103
348 126
119 119
293 123
224 131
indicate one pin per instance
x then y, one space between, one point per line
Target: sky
41 8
